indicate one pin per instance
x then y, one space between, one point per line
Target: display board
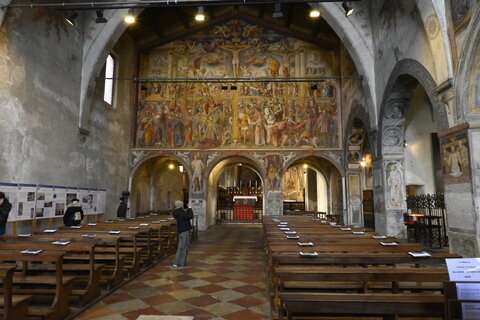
30 201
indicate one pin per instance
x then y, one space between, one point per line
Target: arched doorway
313 184
235 191
157 184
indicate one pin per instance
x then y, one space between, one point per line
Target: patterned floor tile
224 280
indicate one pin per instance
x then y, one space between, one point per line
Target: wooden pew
85 291
12 307
25 283
112 265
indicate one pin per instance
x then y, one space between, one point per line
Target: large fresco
229 114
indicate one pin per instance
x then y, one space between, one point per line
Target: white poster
470 311
11 193
83 197
101 200
467 269
92 201
26 201
72 193
45 206
60 200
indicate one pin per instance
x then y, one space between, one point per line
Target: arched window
109 75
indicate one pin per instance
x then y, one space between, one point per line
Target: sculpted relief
395 185
243 115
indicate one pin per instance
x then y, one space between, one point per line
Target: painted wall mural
230 115
455 158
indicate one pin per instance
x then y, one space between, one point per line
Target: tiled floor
224 279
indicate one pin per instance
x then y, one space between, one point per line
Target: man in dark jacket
122 209
5 207
183 217
74 214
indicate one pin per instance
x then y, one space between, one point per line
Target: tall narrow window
109 74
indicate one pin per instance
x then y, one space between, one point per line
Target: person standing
122 209
5 207
74 214
183 217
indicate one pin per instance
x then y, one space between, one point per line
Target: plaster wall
418 153
398 33
167 181
40 64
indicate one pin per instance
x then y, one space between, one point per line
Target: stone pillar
273 203
460 149
354 197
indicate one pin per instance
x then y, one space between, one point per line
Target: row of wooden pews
319 269
49 273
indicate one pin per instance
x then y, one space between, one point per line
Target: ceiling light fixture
71 18
314 13
348 10
100 17
200 16
278 11
130 17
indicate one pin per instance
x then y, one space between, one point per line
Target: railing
426 220
226 213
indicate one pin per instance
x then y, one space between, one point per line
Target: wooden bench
87 290
24 283
12 307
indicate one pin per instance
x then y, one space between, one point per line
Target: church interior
283 126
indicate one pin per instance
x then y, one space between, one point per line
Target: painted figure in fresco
258 124
395 183
244 121
187 124
270 120
235 50
197 167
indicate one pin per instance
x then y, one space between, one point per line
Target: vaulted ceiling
157 26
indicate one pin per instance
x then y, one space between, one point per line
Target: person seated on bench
122 209
74 214
5 207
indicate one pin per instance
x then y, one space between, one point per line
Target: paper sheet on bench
419 254
379 237
133 228
468 291
388 244
31 251
92 224
358 232
114 232
293 237
290 232
346 229
75 227
50 230
90 235
305 244
60 243
24 235
308 254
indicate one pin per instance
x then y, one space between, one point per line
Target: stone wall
40 64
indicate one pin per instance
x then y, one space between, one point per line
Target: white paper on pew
419 254
290 232
75 227
470 311
162 220
323 221
131 218
92 224
89 235
31 251
346 229
308 254
171 218
293 237
389 244
50 230
133 228
305 244
24 235
114 232
285 229
144 224
60 243
358 232
379 237
109 221
154 214
282 223
464 269
337 226
333 224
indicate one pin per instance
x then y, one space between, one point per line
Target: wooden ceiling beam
181 17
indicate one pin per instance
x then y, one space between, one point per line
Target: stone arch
146 159
337 163
259 167
467 83
406 75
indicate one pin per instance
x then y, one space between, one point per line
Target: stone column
273 203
